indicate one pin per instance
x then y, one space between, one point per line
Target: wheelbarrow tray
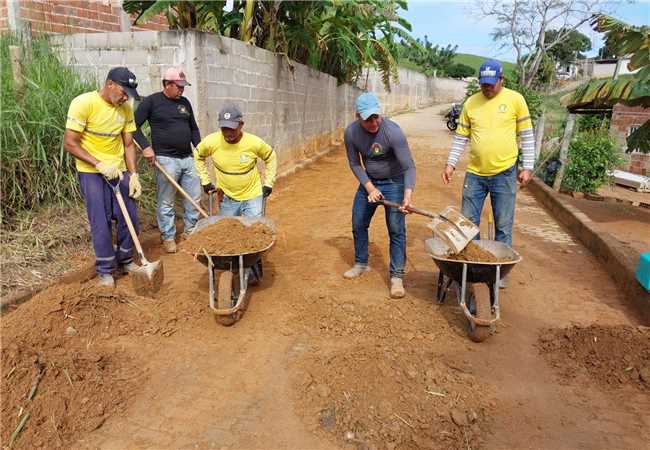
477 272
231 261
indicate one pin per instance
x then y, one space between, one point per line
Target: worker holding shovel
173 132
380 158
98 133
234 154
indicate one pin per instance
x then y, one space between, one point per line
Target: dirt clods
611 356
229 237
474 253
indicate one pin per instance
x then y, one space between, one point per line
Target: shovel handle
127 219
412 209
180 189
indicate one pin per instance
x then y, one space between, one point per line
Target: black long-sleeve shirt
172 123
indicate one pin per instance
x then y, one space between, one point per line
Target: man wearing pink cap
173 132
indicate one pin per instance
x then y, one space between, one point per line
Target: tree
432 59
523 25
569 50
460 70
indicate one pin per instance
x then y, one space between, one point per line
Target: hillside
475 61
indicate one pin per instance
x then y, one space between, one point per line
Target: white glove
135 188
109 170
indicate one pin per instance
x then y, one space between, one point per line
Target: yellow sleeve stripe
523 118
265 159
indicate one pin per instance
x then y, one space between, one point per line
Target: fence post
16 58
564 150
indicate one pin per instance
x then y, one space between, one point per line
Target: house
625 120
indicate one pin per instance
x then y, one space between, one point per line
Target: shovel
449 225
148 278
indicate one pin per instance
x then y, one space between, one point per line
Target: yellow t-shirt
492 126
235 165
101 126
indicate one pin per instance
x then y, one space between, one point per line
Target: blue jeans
362 212
184 172
502 188
247 208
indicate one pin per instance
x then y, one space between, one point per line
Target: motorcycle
452 117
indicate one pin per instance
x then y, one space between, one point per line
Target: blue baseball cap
490 72
367 105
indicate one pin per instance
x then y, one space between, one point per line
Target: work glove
109 170
209 188
135 188
266 191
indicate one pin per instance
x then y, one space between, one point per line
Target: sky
456 22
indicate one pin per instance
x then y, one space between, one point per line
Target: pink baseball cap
176 75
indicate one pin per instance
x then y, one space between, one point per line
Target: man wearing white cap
173 132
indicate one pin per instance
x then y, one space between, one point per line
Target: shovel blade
148 278
454 229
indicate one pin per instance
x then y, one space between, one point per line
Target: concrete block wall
298 110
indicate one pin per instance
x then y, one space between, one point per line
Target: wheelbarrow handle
409 209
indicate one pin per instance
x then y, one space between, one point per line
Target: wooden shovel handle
127 219
410 209
180 189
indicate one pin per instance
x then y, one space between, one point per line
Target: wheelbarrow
476 283
230 275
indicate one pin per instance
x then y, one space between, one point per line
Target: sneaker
130 267
356 271
169 245
105 280
396 288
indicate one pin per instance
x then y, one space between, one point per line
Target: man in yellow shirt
234 155
492 120
98 133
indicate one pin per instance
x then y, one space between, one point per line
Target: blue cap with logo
490 72
367 105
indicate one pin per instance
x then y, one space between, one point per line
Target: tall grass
35 167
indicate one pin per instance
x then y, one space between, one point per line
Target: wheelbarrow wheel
225 298
481 294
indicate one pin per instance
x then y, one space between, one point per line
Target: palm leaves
339 37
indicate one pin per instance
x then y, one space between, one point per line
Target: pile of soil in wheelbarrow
612 356
475 253
229 237
62 367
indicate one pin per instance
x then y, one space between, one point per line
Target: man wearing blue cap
379 157
491 121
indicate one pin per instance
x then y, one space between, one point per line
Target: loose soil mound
474 253
369 378
229 237
64 342
613 356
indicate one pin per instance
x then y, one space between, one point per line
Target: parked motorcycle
452 117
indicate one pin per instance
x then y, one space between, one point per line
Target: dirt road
320 362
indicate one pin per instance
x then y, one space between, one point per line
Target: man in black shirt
173 132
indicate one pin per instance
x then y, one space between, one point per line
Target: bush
590 122
459 70
591 155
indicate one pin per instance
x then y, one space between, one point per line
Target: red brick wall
75 16
4 26
623 119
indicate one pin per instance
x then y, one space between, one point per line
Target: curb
617 259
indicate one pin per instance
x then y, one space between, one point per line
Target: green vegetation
460 71
591 155
338 37
35 167
475 61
